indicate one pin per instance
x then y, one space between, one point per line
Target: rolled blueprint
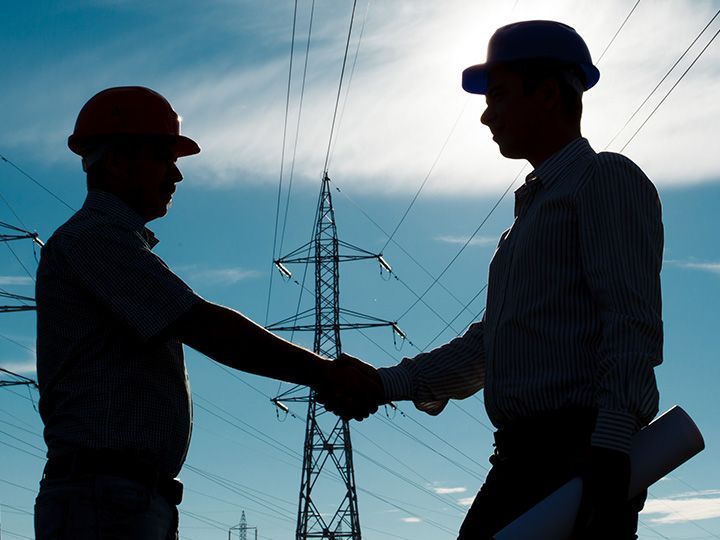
668 442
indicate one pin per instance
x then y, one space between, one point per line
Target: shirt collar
553 168
111 205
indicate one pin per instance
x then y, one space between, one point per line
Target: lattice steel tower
327 438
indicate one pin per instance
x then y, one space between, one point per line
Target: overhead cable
652 92
427 176
447 326
617 33
397 244
26 175
670 91
350 79
465 245
337 99
282 159
297 130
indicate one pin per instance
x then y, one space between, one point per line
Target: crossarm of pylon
22 380
11 296
25 234
294 318
13 309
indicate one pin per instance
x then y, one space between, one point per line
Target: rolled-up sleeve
621 243
455 370
133 283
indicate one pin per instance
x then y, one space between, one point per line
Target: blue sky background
224 66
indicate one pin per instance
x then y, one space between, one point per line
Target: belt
113 463
564 431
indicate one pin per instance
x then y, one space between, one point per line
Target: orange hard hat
128 111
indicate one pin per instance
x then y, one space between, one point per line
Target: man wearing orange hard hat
112 319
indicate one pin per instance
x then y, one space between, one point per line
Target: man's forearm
231 338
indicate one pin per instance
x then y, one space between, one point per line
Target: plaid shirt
108 380
573 314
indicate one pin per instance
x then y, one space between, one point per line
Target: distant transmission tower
327 438
242 529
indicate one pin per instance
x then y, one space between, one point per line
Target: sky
403 122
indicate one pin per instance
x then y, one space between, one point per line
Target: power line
427 446
467 243
26 175
24 488
282 158
17 343
441 332
430 522
398 475
618 32
12 210
427 176
352 73
337 99
297 129
652 92
670 91
472 460
397 244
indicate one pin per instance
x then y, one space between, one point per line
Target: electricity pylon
242 529
17 234
327 438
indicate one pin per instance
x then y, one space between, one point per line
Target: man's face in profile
511 113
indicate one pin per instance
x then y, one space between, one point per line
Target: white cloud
15 280
685 507
25 367
404 99
482 241
447 491
712 267
218 276
466 501
411 519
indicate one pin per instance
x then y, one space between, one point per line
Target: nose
175 174
486 116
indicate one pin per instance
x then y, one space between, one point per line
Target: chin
511 153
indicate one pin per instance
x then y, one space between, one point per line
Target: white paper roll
668 442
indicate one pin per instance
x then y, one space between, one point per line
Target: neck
551 144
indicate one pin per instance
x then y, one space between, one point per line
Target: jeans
102 508
530 463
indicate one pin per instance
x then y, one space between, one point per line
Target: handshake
350 388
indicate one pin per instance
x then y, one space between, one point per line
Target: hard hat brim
185 146
475 78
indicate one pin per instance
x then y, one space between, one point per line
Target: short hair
570 79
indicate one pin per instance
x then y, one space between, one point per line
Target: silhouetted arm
455 370
231 338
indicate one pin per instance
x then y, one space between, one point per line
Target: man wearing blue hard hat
572 329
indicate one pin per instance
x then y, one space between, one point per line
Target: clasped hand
350 388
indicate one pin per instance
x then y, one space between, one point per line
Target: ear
115 163
549 94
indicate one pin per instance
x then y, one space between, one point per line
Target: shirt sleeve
135 285
621 244
455 370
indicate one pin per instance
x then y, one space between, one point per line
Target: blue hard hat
529 40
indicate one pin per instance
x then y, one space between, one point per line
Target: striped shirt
108 380
573 316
